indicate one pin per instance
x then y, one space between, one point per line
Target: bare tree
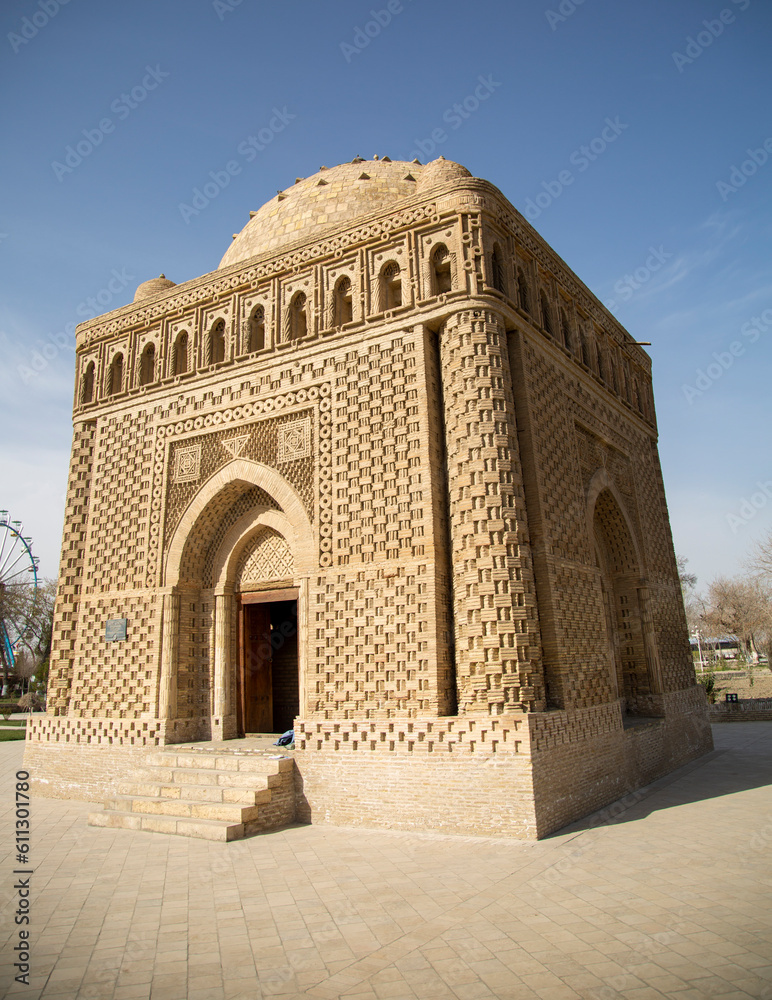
17 607
43 619
694 603
742 608
34 607
25 667
760 561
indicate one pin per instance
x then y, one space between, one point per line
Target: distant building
388 475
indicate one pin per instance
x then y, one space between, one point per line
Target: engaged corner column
223 720
167 702
498 645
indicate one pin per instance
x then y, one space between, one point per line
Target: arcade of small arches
215 349
599 354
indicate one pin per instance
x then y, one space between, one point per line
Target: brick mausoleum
388 475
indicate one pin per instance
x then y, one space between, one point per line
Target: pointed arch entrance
633 661
236 582
268 697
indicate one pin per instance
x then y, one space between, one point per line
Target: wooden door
257 687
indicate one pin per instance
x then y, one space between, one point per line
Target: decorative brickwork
391 469
267 557
99 732
464 735
72 567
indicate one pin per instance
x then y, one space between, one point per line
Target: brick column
167 708
498 657
224 719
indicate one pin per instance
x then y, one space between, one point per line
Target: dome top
334 196
149 289
440 171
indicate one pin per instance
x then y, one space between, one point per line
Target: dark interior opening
270 685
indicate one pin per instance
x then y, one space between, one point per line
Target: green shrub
708 681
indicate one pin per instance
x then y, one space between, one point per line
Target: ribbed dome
149 289
334 196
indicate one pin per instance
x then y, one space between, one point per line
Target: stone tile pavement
665 895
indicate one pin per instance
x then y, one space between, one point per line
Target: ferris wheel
18 589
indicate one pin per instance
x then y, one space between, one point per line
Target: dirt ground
739 682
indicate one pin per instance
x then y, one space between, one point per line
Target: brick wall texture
420 425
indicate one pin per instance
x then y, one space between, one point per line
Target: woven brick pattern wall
373 619
71 567
116 678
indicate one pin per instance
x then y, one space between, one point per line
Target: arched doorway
632 660
268 665
236 578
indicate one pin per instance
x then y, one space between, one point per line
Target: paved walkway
668 897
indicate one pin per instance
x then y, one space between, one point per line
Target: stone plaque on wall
115 629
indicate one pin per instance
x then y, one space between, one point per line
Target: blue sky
667 219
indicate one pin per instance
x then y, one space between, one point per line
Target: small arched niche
147 365
442 278
391 286
343 304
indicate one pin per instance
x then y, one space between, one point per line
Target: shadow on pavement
741 760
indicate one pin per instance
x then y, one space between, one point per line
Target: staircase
197 792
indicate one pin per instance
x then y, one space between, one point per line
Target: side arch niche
631 645
246 529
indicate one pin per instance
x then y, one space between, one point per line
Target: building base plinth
523 776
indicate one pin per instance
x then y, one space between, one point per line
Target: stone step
248 796
193 776
203 794
253 763
223 779
183 808
203 829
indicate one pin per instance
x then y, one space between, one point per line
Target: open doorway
269 683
